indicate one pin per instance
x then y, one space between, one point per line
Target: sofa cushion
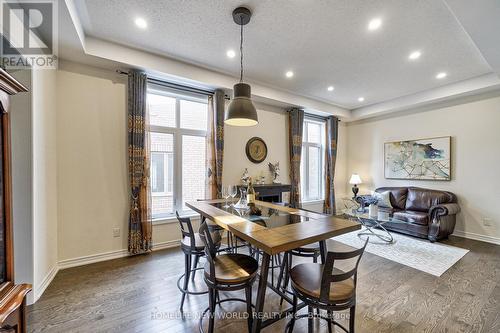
383 199
398 196
412 216
419 199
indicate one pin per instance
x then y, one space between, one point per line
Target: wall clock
256 150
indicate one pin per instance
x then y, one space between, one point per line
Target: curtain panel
296 127
332 130
215 144
140 223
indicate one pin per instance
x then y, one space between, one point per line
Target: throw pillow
384 199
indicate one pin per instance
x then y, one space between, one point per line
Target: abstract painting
423 159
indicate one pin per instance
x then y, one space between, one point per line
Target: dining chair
326 287
192 246
306 251
226 272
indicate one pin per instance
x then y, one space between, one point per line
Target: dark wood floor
138 294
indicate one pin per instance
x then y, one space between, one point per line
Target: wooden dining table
303 228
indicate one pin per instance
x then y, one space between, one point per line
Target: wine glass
225 195
233 190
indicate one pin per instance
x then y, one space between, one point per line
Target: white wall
44 179
475 131
22 184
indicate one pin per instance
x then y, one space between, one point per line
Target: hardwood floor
137 294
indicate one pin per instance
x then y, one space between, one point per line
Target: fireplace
270 192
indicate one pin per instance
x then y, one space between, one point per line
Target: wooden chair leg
352 315
195 265
310 319
248 294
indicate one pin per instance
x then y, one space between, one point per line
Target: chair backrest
186 228
329 276
210 248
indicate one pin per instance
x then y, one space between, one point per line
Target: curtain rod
177 86
315 116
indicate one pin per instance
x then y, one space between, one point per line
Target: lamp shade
241 111
355 179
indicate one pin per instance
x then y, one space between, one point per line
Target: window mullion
178 159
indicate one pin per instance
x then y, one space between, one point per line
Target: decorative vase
373 210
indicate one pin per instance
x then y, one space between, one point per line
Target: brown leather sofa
428 213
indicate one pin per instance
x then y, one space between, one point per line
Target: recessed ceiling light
289 74
330 88
231 53
441 75
141 23
374 24
414 55
361 99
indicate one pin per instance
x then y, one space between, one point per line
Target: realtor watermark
29 34
157 314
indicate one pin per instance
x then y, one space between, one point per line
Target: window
178 128
312 170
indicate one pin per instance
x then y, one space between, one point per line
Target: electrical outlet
487 222
116 232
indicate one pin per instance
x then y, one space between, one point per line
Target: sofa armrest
443 210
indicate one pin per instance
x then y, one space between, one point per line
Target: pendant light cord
241 50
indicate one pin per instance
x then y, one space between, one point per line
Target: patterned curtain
332 131
215 144
296 127
140 224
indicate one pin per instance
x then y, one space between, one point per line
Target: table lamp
355 180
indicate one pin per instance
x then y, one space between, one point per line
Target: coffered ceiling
324 43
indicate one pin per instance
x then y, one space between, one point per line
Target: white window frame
177 133
305 156
165 176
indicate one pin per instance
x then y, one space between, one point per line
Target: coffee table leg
369 232
261 293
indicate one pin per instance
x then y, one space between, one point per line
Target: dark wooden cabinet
12 296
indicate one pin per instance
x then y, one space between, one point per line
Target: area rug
433 258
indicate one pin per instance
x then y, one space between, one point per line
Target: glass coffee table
373 225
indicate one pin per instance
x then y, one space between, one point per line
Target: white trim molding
478 237
93 258
39 290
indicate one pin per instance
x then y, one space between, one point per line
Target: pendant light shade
241 111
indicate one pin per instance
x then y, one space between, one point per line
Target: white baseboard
479 237
38 290
166 245
91 259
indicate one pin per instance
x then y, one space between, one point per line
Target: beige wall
44 178
273 129
475 131
91 161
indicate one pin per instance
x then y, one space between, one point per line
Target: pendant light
241 111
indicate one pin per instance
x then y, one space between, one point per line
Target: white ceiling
324 42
